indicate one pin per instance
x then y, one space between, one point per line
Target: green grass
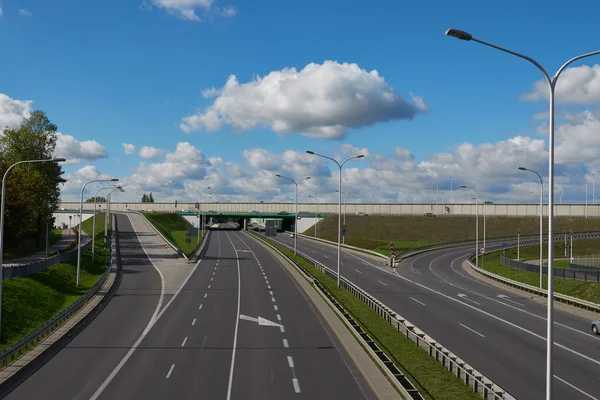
431 379
589 291
174 227
376 232
11 254
31 301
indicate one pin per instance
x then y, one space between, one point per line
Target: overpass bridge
252 209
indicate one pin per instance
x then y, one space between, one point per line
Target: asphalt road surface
239 328
499 333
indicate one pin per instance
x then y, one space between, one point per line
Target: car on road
430 215
596 326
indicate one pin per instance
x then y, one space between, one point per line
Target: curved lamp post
296 207
2 202
476 222
541 222
340 165
551 87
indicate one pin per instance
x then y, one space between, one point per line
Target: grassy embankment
376 232
11 254
589 291
431 379
27 303
174 227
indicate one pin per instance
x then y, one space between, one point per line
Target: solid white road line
170 370
184 340
576 388
237 320
194 322
413 299
472 330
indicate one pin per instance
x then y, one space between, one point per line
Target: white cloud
191 10
13 111
1 12
90 172
580 85
24 13
322 100
150 152
261 159
128 148
77 152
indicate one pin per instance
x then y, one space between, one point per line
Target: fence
579 273
592 260
471 377
19 271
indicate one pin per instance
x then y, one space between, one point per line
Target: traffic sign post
188 240
392 255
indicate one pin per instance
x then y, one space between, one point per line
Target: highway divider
15 351
469 375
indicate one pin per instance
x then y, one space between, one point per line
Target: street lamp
437 197
316 223
476 222
345 209
551 86
94 219
541 222
81 219
296 201
199 219
2 202
340 165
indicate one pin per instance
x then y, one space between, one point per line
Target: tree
99 199
145 198
151 198
33 191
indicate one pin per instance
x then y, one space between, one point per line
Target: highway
236 327
499 332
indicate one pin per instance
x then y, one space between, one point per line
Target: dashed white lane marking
184 340
296 385
279 317
211 279
295 382
576 388
413 299
200 308
472 330
210 285
285 343
170 370
275 307
290 361
194 321
205 294
282 329
271 292
269 287
360 272
273 299
383 283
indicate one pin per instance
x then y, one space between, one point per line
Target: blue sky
130 71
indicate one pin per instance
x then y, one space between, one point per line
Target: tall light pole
94 219
450 189
2 202
593 188
476 222
199 219
296 207
586 196
541 223
340 165
81 224
551 86
316 223
345 209
437 196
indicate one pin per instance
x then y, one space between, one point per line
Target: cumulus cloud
580 85
192 10
24 13
322 100
151 153
13 111
77 152
261 159
128 148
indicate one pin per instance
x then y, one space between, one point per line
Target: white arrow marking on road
260 320
464 296
505 297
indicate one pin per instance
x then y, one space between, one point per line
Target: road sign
482 250
188 240
503 245
343 232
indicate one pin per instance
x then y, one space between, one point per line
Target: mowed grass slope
31 301
174 227
376 232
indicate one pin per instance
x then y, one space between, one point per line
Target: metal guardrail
471 377
16 350
582 274
12 271
573 301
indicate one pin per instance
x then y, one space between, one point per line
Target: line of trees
99 199
148 198
32 190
